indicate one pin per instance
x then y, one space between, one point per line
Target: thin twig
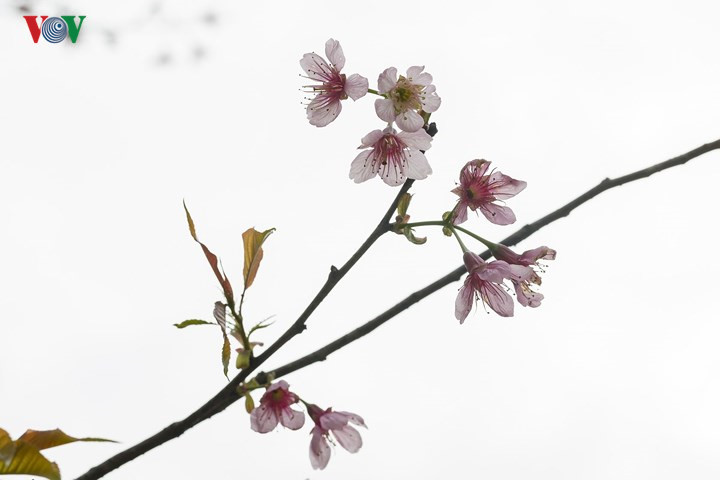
520 235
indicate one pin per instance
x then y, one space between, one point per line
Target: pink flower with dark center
275 407
526 296
327 421
393 156
478 190
334 86
485 281
405 97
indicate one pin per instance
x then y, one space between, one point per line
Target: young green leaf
403 204
410 235
252 243
225 354
193 321
263 324
249 403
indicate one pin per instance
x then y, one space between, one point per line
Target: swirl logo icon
54 29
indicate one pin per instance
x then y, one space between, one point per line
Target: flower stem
239 323
462 245
428 223
370 90
480 239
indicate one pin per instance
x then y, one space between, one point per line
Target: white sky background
614 376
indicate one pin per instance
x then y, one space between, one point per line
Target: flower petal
472 170
392 175
354 418
503 187
385 109
315 67
334 53
521 273
323 110
497 214
418 167
356 86
361 168
460 213
348 438
413 72
409 121
263 419
369 140
419 139
282 384
526 297
331 420
430 103
498 270
497 299
531 256
464 301
292 419
387 80
319 450
416 76
473 262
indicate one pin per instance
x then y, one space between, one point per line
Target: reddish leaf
211 258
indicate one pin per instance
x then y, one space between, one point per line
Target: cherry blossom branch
455 275
228 395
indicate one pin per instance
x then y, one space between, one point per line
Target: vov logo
54 29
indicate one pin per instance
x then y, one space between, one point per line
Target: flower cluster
406 101
480 189
396 153
275 408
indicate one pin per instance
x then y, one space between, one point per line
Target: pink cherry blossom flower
526 296
275 407
334 86
405 97
485 281
478 191
393 156
327 421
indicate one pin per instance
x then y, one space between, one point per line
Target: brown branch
228 395
520 235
